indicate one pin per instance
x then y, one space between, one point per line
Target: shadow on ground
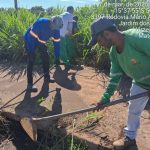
65 79
12 70
31 105
15 70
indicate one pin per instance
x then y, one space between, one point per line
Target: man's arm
35 30
115 76
56 42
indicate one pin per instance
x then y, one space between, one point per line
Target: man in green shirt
130 54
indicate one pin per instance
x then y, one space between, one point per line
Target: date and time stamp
131 14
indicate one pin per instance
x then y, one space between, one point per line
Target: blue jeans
134 111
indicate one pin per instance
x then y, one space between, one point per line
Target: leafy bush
12 27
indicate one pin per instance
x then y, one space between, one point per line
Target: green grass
12 27
69 141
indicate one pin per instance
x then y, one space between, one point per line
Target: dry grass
4 131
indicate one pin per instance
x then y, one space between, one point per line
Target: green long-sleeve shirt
134 60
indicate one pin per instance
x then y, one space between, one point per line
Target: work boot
31 88
125 144
48 79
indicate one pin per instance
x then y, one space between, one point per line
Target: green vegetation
13 24
71 142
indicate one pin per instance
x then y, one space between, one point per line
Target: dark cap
98 26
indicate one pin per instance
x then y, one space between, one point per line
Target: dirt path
76 93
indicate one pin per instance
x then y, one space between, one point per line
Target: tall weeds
13 25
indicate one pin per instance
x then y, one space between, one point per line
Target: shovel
29 124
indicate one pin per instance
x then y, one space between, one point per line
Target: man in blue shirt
35 38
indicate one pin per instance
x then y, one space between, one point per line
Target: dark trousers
45 62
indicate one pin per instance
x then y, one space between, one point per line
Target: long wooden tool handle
113 102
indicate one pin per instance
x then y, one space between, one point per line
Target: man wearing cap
130 54
35 38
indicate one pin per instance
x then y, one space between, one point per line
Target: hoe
29 124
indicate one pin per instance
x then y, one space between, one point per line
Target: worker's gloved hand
105 99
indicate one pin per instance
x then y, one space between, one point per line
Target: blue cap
98 26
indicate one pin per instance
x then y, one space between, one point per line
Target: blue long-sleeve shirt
39 33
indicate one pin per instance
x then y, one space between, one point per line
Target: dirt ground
80 87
